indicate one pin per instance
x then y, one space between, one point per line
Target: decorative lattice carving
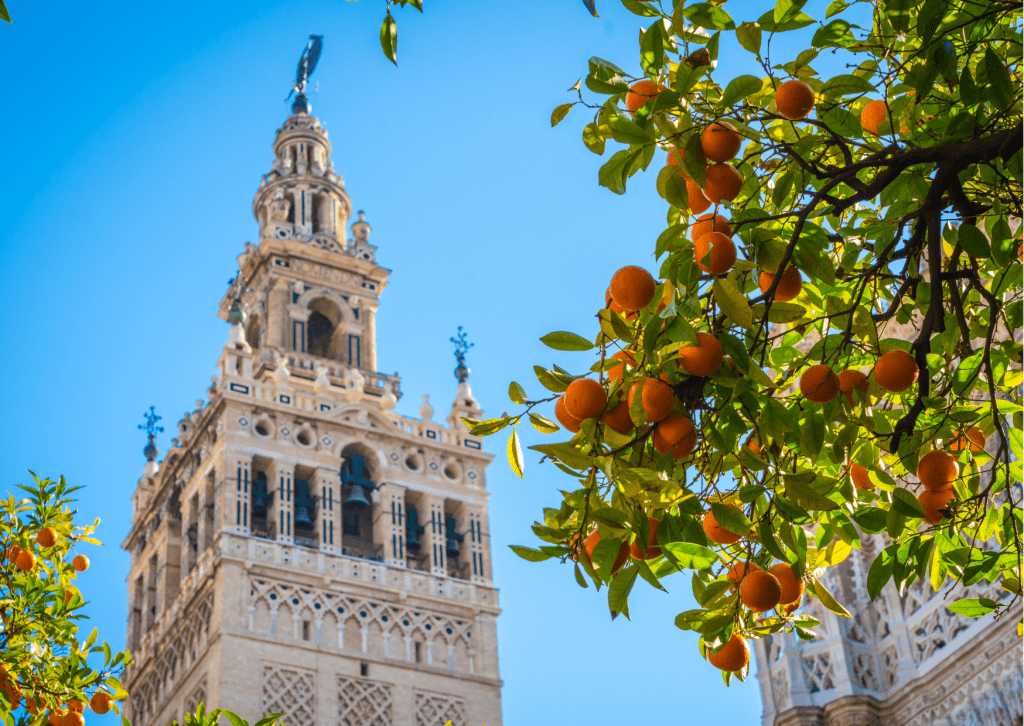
434 709
780 686
864 670
290 691
890 667
818 673
363 703
197 696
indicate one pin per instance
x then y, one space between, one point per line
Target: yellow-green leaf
515 453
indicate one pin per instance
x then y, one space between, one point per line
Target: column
370 311
328 483
238 481
389 523
476 542
277 314
203 535
187 513
283 505
435 535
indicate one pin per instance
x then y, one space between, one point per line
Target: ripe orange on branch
819 384
632 288
723 182
760 591
46 537
696 200
628 361
710 223
704 358
80 563
859 477
794 100
740 570
937 470
652 541
585 398
789 286
723 253
850 380
618 418
100 702
640 93
896 370
670 432
792 586
675 158
720 142
933 501
975 435
656 397
26 561
620 558
568 422
872 116
72 718
716 532
734 655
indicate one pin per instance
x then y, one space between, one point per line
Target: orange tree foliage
906 238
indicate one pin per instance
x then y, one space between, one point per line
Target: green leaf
731 519
543 424
389 38
619 589
592 138
580 580
515 453
834 35
846 85
906 503
804 496
643 9
999 79
516 393
528 554
739 88
899 13
973 241
562 340
786 10
780 312
565 453
708 16
559 113
234 718
615 171
973 607
627 132
767 22
694 161
553 382
733 303
690 555
837 6
4 15
749 37
881 570
967 373
652 48
828 600
488 427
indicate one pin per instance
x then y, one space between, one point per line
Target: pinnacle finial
461 347
151 430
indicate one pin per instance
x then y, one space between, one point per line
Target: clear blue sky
135 137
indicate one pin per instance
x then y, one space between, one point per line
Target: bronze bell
413 529
359 486
451 547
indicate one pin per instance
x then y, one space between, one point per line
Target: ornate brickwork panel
290 691
435 709
818 672
197 696
363 703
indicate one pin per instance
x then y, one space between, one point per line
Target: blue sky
136 135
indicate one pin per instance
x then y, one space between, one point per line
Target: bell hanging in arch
359 486
413 529
302 517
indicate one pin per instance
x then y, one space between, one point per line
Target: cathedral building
302 548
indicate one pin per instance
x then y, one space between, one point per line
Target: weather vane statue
307 63
151 430
461 346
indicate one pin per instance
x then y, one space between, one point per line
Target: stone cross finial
151 430
461 347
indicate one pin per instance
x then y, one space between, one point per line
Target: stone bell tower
302 548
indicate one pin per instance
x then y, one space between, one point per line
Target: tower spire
461 348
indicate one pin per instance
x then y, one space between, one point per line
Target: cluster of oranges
25 560
70 714
895 371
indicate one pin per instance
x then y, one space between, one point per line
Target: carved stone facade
903 660
302 548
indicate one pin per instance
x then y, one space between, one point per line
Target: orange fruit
68 594
859 477
723 182
671 431
13 693
675 158
850 380
618 418
640 93
652 540
629 361
789 286
12 553
54 718
933 502
819 384
760 591
696 200
792 586
872 116
723 252
46 537
755 448
709 223
733 656
740 570
720 142
794 100
32 705
100 702
632 287
73 718
656 398
685 446
717 533
568 422
937 470
80 563
585 398
702 359
896 370
26 561
591 542
975 435
76 706
794 606
611 304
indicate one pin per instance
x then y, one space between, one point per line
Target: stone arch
254 332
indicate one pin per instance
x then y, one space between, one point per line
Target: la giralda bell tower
302 548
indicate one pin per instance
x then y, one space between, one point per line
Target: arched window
320 332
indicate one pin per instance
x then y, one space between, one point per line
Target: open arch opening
324 321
